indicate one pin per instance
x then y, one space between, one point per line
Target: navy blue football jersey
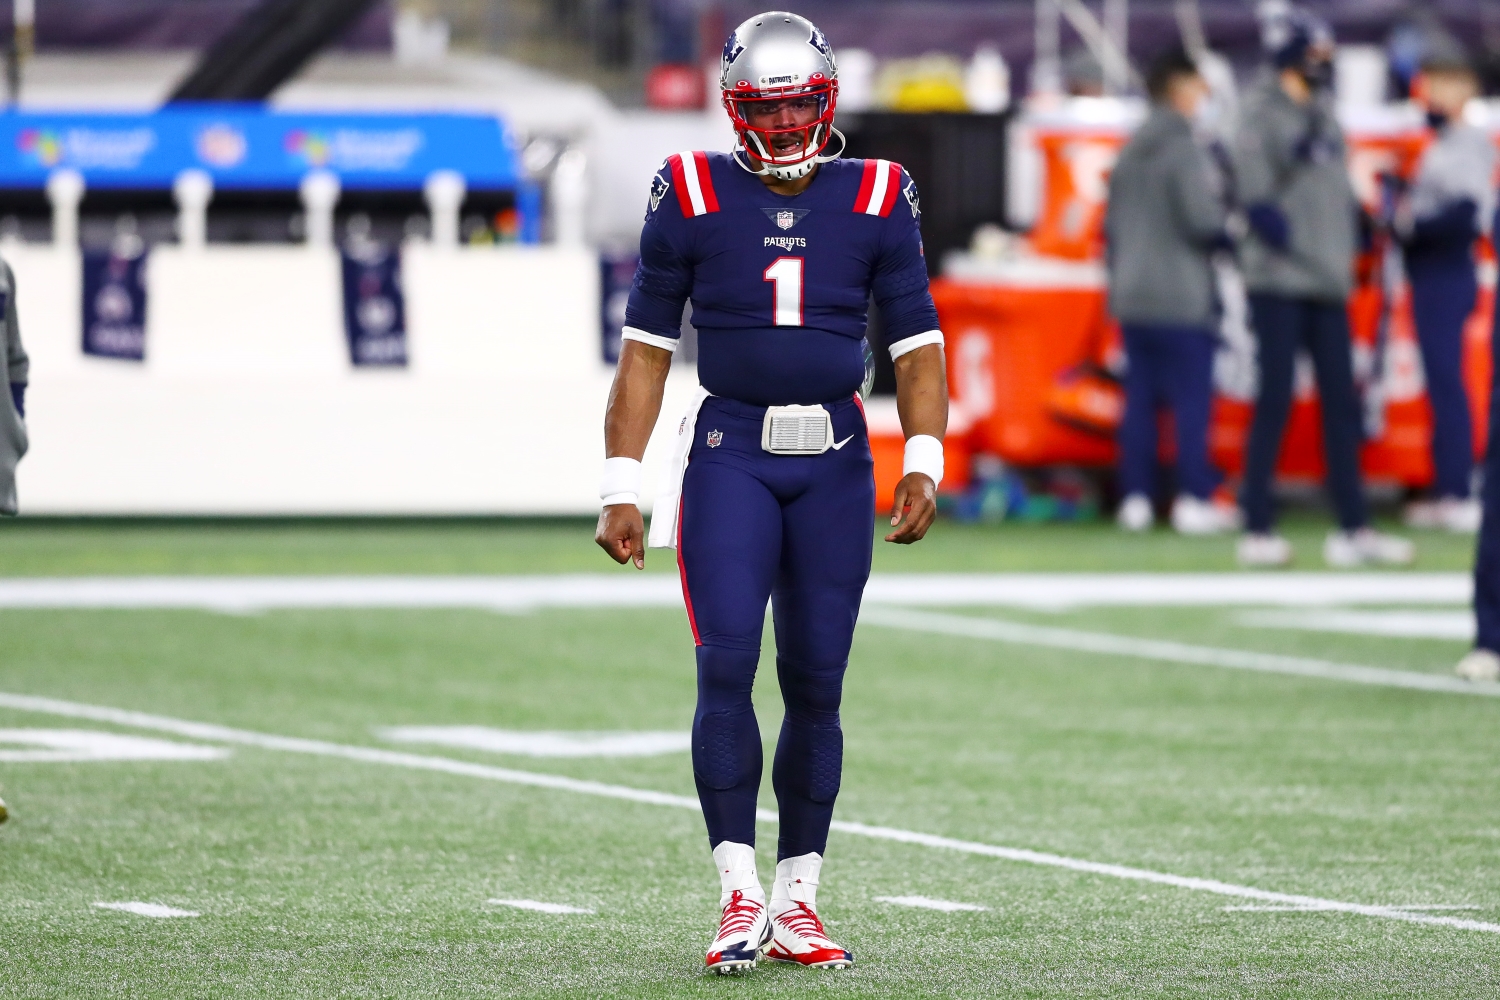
779 284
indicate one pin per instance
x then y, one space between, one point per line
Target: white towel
663 534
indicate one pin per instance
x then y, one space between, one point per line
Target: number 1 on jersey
786 273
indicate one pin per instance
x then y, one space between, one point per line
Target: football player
780 245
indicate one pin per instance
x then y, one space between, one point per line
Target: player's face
787 121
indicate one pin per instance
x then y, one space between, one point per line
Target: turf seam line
1109 644
372 755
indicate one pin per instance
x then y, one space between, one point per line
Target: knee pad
825 765
726 749
810 759
726 738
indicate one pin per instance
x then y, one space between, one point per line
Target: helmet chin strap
793 171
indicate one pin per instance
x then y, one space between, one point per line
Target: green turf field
47 547
317 875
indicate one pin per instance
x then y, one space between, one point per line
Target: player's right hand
622 533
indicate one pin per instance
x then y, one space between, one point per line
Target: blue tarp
247 147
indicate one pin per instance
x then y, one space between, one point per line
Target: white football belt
796 430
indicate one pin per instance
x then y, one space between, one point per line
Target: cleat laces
803 922
739 916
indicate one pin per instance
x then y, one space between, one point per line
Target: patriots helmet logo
819 42
659 186
732 49
911 199
715 438
786 219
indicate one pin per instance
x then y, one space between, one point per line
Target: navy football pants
1282 325
797 529
1172 365
1441 301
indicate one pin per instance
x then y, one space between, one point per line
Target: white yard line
1062 591
535 743
289 744
1163 650
539 907
927 903
368 755
156 910
75 745
623 589
1320 909
1403 623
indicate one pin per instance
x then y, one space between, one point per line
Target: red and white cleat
797 935
743 932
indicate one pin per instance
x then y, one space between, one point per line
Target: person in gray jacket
1162 224
13 404
1298 261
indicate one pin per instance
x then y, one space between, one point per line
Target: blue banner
374 308
247 147
114 304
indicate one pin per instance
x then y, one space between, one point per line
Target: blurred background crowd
359 256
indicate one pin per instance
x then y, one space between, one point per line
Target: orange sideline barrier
1077 165
1007 347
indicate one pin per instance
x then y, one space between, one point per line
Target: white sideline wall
247 402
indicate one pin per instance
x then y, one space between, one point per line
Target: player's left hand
916 501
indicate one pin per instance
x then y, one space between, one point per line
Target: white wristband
621 482
924 454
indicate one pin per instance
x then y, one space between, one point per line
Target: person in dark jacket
1298 263
14 373
1162 224
1447 210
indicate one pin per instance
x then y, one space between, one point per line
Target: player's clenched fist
622 533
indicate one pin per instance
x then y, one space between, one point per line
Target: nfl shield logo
786 220
715 438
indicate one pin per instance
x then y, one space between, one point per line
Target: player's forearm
922 392
635 399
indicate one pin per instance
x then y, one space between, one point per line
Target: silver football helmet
774 57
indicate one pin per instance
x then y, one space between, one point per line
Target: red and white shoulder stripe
695 185
877 189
